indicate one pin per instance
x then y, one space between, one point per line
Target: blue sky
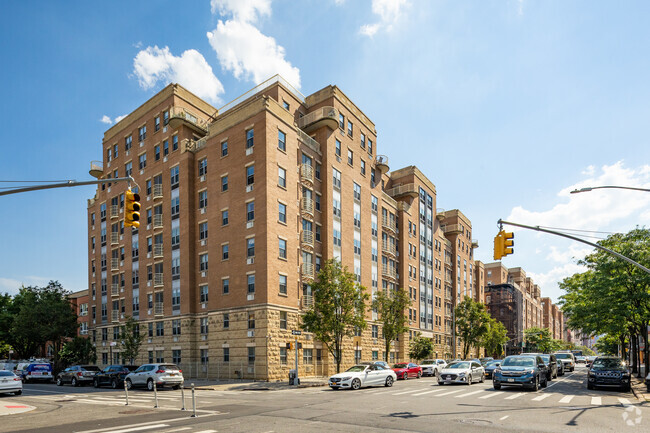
505 105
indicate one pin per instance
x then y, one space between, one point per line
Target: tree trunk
387 348
646 351
633 352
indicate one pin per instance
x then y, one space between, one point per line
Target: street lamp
590 188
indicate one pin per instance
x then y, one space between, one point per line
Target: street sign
113 343
294 332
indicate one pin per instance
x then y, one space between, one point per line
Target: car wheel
114 383
389 381
96 383
59 382
150 384
176 387
20 391
545 383
73 382
625 388
497 386
482 378
129 384
469 380
419 375
536 384
405 376
590 386
356 384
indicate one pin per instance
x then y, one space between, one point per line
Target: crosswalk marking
596 401
542 397
492 394
134 429
624 401
410 391
468 394
427 392
447 393
513 396
566 398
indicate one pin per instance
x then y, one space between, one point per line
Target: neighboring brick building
240 208
80 301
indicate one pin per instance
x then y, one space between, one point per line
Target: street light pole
591 188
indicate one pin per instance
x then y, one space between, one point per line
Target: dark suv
609 371
113 375
551 364
521 370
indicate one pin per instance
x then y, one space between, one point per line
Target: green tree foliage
390 309
471 323
539 340
338 310
79 350
131 339
495 337
608 345
421 348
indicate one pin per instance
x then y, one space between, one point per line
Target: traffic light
503 244
289 346
132 206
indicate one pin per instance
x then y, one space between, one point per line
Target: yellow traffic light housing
503 243
132 209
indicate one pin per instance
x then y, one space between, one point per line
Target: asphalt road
414 406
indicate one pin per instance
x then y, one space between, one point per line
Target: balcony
157 250
451 228
157 191
307 206
115 289
181 116
307 140
195 145
115 238
115 264
474 243
115 315
307 271
307 301
382 164
307 174
96 169
389 224
389 249
406 190
307 238
388 272
324 116
158 279
158 309
157 221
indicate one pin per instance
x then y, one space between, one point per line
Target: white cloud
243 49
520 7
574 252
12 286
118 118
389 12
105 119
548 281
153 65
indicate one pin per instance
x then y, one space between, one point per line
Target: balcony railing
96 169
115 264
157 191
382 163
115 315
181 115
158 279
307 173
115 289
196 145
388 272
307 206
389 224
389 249
115 211
307 301
157 250
158 309
451 228
307 238
310 142
157 221
307 270
408 189
115 238
324 116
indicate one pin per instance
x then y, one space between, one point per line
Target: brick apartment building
553 318
240 208
80 301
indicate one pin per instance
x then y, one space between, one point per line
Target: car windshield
607 363
491 363
518 362
458 365
356 369
545 358
40 367
6 373
428 362
563 355
400 366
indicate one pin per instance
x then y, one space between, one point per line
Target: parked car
560 367
160 374
609 371
430 367
551 364
491 366
581 359
9 382
113 375
521 370
41 371
382 363
466 372
404 370
363 375
484 361
77 375
590 360
567 359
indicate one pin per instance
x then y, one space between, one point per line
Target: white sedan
9 382
466 372
363 375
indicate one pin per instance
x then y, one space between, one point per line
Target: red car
405 370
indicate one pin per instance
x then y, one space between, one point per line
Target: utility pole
68 184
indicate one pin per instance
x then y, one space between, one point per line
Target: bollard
126 393
193 403
183 396
155 394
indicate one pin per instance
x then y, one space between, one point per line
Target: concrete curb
638 387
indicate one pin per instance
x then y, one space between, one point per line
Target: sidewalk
639 387
9 408
249 385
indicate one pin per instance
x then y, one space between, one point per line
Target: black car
609 371
77 375
551 364
113 375
491 366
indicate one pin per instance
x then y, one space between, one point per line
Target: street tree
338 309
538 340
79 350
131 339
608 345
495 337
471 323
420 348
391 309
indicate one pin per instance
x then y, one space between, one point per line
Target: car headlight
461 375
346 378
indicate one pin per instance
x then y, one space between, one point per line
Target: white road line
468 394
145 424
596 401
207 431
503 417
566 398
178 429
132 429
447 393
409 391
560 380
427 392
513 396
542 397
624 401
492 394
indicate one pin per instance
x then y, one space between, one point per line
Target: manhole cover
476 421
135 411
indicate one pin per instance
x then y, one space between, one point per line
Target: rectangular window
363 140
224 217
349 128
251 320
250 175
128 168
341 121
165 147
250 136
336 178
250 247
203 231
156 123
317 171
204 325
175 142
174 173
156 151
282 140
370 146
226 354
250 211
224 252
224 148
160 329
283 285
282 177
283 320
224 183
317 202
375 331
317 233
203 167
176 206
363 167
282 247
251 284
283 355
225 286
176 237
176 356
337 148
350 157
203 199
251 356
165 117
203 262
307 357
142 133
357 192
128 141
176 327
282 213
